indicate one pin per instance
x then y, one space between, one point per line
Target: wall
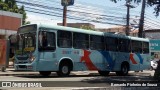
9 23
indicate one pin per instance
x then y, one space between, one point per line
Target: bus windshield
26 43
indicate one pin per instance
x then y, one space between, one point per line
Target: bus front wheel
45 73
64 70
103 73
124 70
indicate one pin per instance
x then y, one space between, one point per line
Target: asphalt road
78 80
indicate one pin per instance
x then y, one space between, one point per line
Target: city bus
47 48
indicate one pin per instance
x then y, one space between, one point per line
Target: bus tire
103 73
124 70
45 73
64 70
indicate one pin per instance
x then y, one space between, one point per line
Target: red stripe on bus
88 61
132 59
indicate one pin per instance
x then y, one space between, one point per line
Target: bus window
64 39
96 42
47 41
51 39
145 47
123 45
111 44
29 40
81 41
136 46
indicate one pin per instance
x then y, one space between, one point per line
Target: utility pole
128 16
128 12
141 22
64 15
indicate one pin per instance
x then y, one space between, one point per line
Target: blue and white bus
48 48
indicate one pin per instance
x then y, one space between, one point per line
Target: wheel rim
65 69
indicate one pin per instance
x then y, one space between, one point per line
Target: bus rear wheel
64 70
103 73
124 70
45 73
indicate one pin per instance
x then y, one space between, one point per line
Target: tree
155 3
86 27
1 4
10 5
22 11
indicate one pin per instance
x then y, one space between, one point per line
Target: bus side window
40 36
123 45
145 47
64 39
136 46
111 43
44 39
47 41
96 42
81 41
51 40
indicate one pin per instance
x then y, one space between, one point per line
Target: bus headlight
32 58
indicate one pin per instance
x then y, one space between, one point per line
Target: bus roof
70 29
115 35
43 25
139 39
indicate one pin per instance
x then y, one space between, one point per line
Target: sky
96 8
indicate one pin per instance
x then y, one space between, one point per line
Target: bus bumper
24 67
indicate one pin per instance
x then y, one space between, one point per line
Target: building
117 29
153 34
9 23
134 33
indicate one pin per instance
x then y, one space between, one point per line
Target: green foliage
22 11
149 3
86 27
10 5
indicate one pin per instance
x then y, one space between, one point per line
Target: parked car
154 64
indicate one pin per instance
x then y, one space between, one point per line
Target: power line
72 16
92 13
100 17
47 7
69 10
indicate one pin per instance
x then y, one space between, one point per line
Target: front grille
22 66
22 58
22 62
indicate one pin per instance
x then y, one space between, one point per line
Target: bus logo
6 84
